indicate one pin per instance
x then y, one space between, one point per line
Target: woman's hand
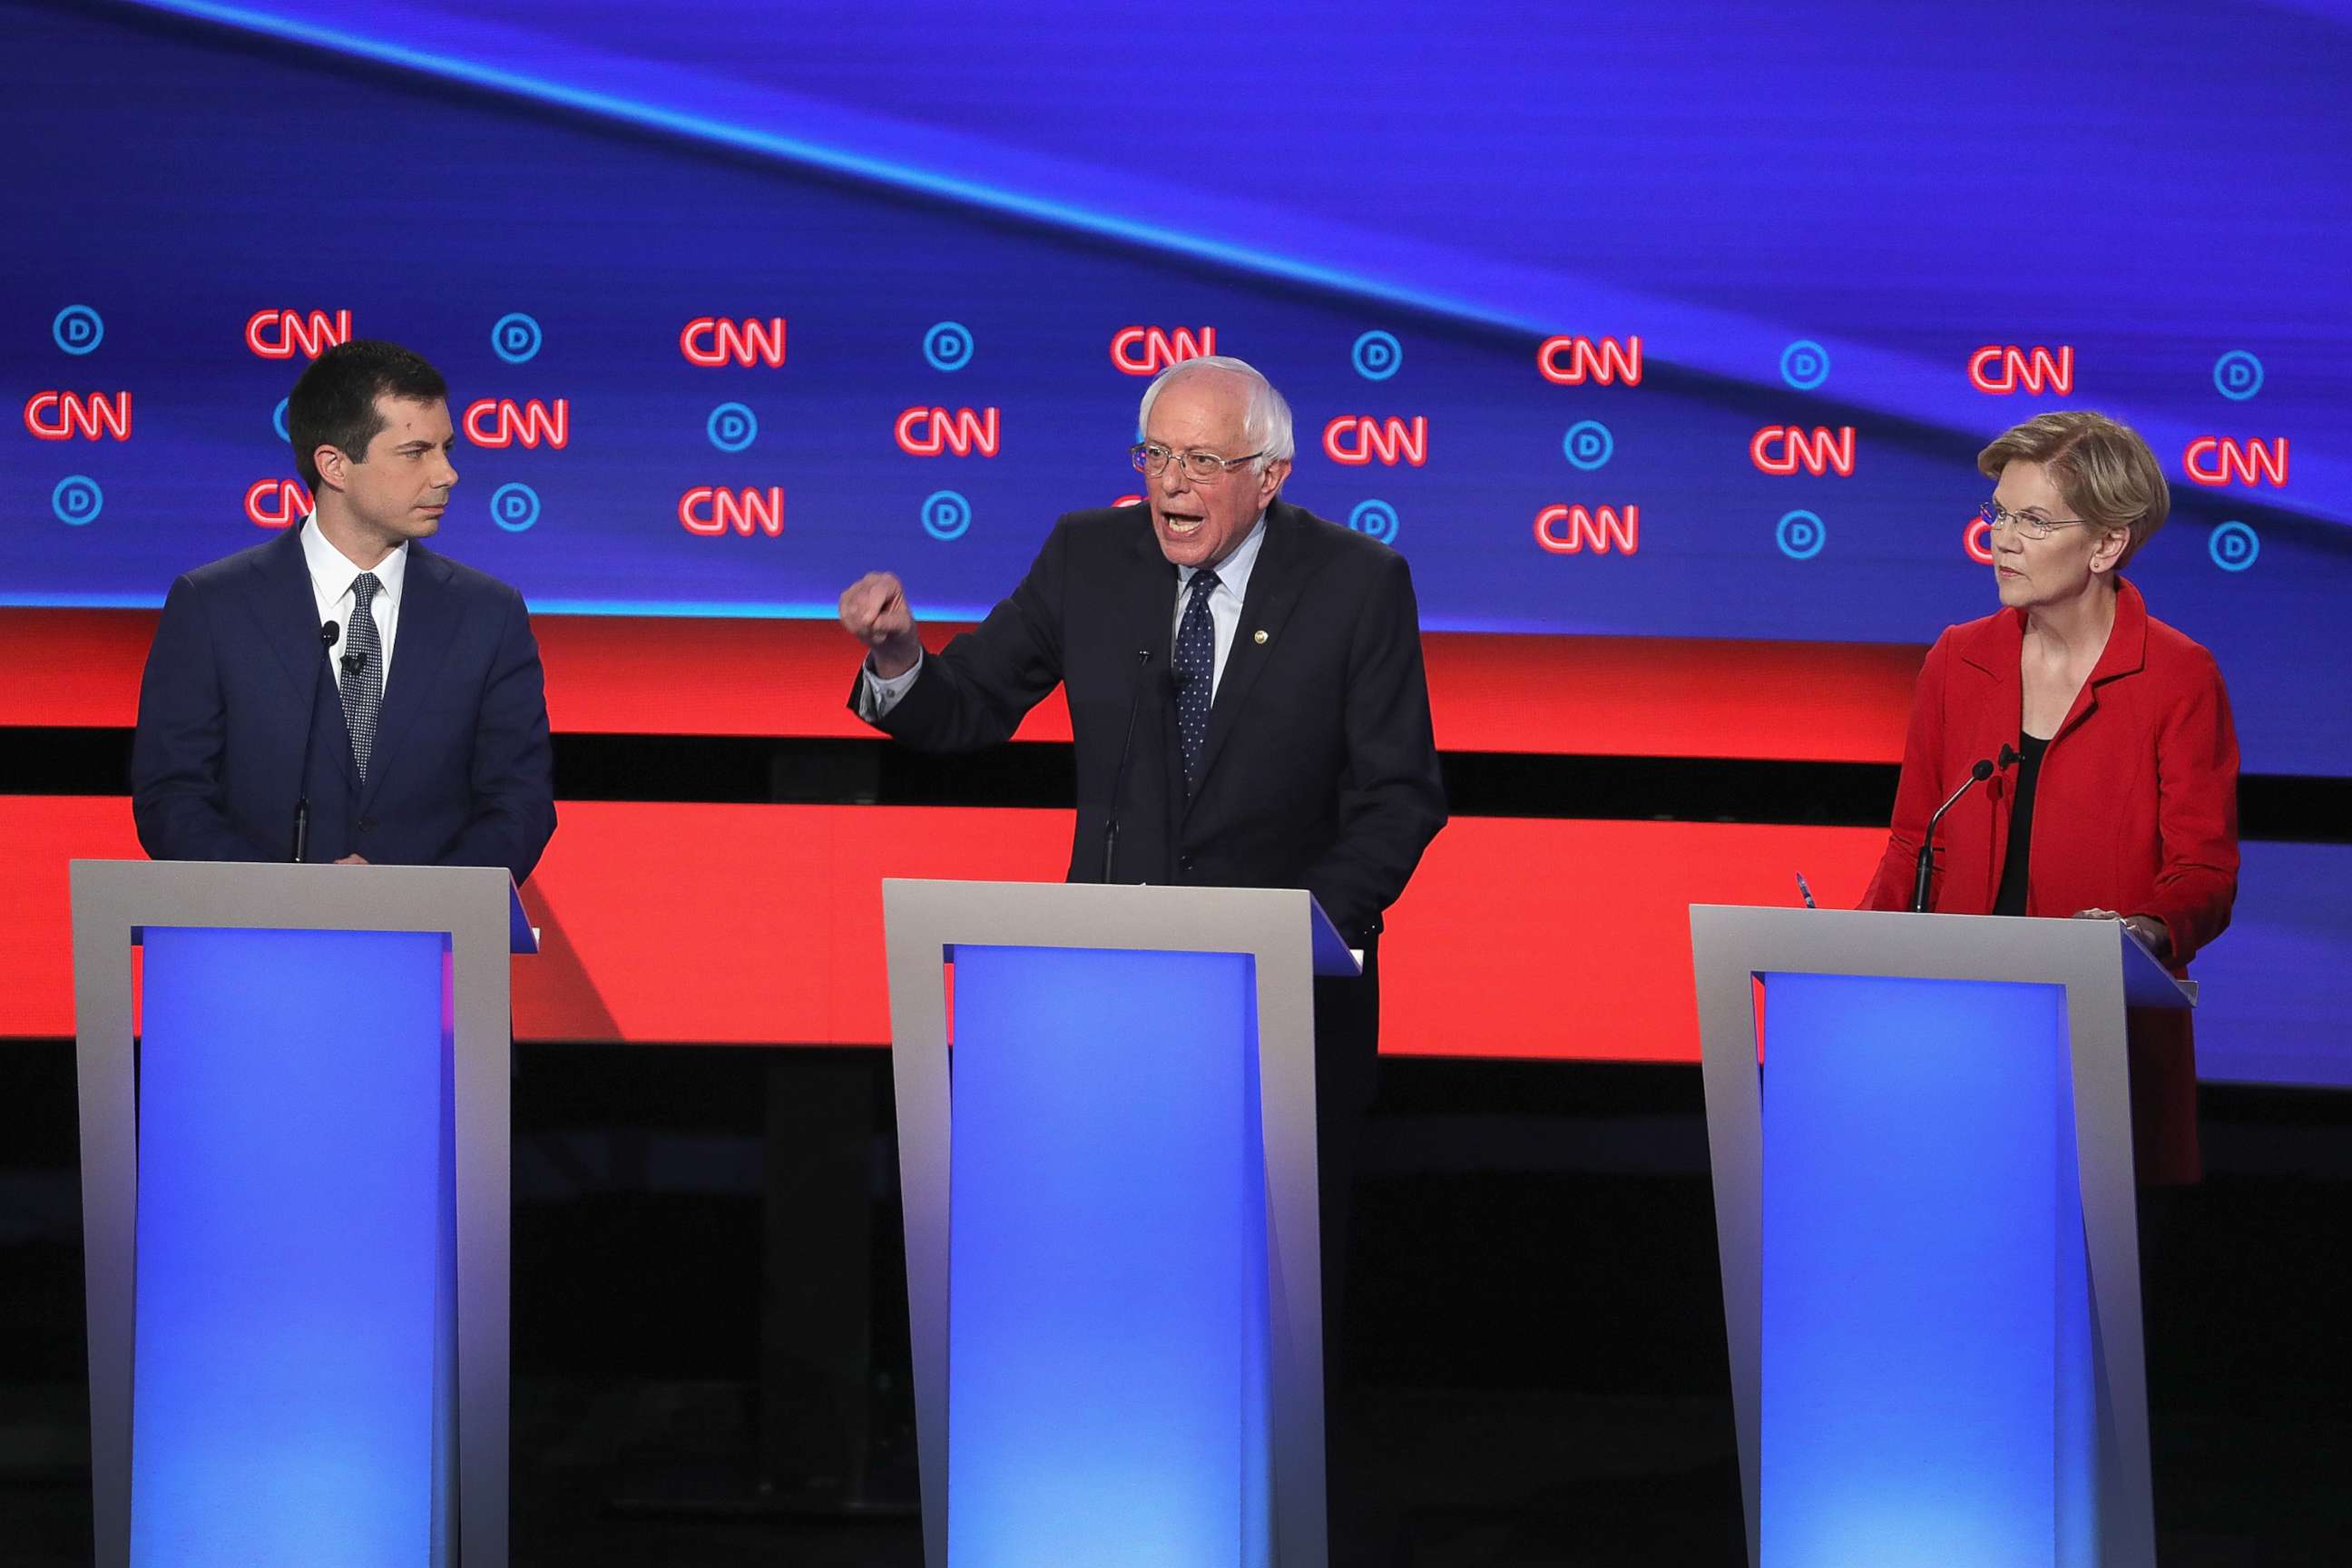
2148 930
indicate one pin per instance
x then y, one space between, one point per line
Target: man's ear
1270 482
332 465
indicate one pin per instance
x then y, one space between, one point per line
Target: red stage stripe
758 924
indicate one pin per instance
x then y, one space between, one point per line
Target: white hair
1266 423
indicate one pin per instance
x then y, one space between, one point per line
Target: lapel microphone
328 633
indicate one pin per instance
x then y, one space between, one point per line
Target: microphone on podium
1126 749
1984 768
328 633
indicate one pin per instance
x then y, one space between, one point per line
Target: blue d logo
2234 546
2237 375
947 346
76 499
733 426
1588 443
514 507
1800 536
1377 355
1804 364
78 328
946 514
515 338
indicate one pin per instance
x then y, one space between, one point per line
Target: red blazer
2136 811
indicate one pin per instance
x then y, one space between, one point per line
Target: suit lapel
2125 654
1993 654
1146 611
1274 583
1148 600
428 617
288 612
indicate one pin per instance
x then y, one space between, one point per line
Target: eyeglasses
1153 459
2031 524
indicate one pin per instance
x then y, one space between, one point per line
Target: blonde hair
2103 469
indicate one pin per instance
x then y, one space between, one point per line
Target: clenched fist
874 611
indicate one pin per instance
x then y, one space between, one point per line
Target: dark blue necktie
1196 673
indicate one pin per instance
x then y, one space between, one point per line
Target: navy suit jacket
461 772
1320 771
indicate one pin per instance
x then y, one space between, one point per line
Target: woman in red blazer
2125 804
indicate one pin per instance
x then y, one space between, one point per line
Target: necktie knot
364 588
1204 582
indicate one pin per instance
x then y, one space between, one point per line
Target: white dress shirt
331 576
876 697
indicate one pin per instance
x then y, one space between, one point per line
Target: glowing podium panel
1113 1264
295 1208
1924 1200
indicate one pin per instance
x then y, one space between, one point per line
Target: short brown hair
333 403
2101 469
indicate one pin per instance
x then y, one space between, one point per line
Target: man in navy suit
1247 705
341 692
1290 748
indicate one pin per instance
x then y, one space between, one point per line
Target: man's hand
352 860
874 611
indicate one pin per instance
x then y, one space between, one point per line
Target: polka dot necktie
1196 673
363 672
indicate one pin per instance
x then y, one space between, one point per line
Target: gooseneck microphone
1126 750
1984 769
328 633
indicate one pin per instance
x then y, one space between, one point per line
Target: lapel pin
1261 637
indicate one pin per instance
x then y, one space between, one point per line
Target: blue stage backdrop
1681 320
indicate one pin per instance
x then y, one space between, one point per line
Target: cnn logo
929 432
716 340
281 334
1148 350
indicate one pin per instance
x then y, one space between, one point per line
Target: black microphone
1983 769
352 662
1126 750
327 633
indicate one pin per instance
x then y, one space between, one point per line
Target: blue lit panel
1927 1392
1106 1388
290 1185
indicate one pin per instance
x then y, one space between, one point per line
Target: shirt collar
333 573
1233 571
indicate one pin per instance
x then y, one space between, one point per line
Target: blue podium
1920 1131
295 1205
1112 1248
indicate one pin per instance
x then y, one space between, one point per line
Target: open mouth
1181 523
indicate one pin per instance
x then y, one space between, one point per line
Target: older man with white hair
1245 690
1289 745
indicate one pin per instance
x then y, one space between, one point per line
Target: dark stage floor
1537 1353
